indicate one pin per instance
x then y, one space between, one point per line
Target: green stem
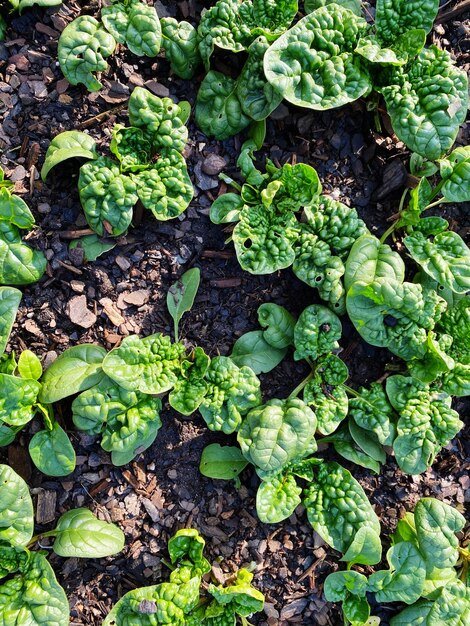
351 391
435 191
36 538
388 232
301 386
175 328
440 201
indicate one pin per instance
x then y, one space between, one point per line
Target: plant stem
351 391
388 232
301 386
441 201
36 538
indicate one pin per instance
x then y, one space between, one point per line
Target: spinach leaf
16 509
52 452
253 350
68 145
316 332
80 534
277 498
181 295
222 462
180 42
10 299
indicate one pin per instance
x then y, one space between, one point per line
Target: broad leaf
181 295
253 350
16 508
222 462
10 299
52 452
81 534
68 145
277 498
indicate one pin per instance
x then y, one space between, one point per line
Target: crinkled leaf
428 102
243 597
107 196
34 597
10 299
150 365
426 424
232 392
394 315
332 370
17 399
404 581
190 390
313 64
316 332
436 361
137 25
445 257
131 148
218 110
436 526
188 543
371 49
75 370
68 145
83 47
278 324
81 534
180 42
369 259
457 381
16 508
253 350
372 411
455 172
393 17
330 404
226 208
52 452
223 462
277 498
339 585
452 607
257 97
416 615
337 506
264 239
277 433
160 118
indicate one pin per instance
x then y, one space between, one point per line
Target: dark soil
163 490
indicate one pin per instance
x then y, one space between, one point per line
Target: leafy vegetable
10 299
181 295
66 145
223 462
316 332
180 42
52 452
80 534
253 350
134 23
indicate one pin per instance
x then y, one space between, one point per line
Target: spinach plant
19 5
270 233
180 602
333 56
428 571
19 263
50 448
149 165
86 43
29 591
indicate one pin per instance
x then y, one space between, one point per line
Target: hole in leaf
247 244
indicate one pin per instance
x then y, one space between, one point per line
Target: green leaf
23 4
29 366
83 47
337 506
243 597
347 447
301 63
34 597
371 49
218 110
181 295
14 210
187 542
394 315
365 549
222 462
19 264
232 392
144 34
330 404
140 437
107 196
191 388
421 167
10 299
165 188
316 332
372 411
52 452
427 102
226 208
455 172
353 5
180 42
16 509
339 585
81 534
404 581
278 324
151 365
92 246
356 610
278 433
452 607
277 498
17 399
75 370
436 526
68 145
369 259
7 434
131 148
416 615
445 257
253 350
392 17
367 441
160 118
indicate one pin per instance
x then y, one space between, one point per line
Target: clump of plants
428 571
180 601
19 263
29 591
148 166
